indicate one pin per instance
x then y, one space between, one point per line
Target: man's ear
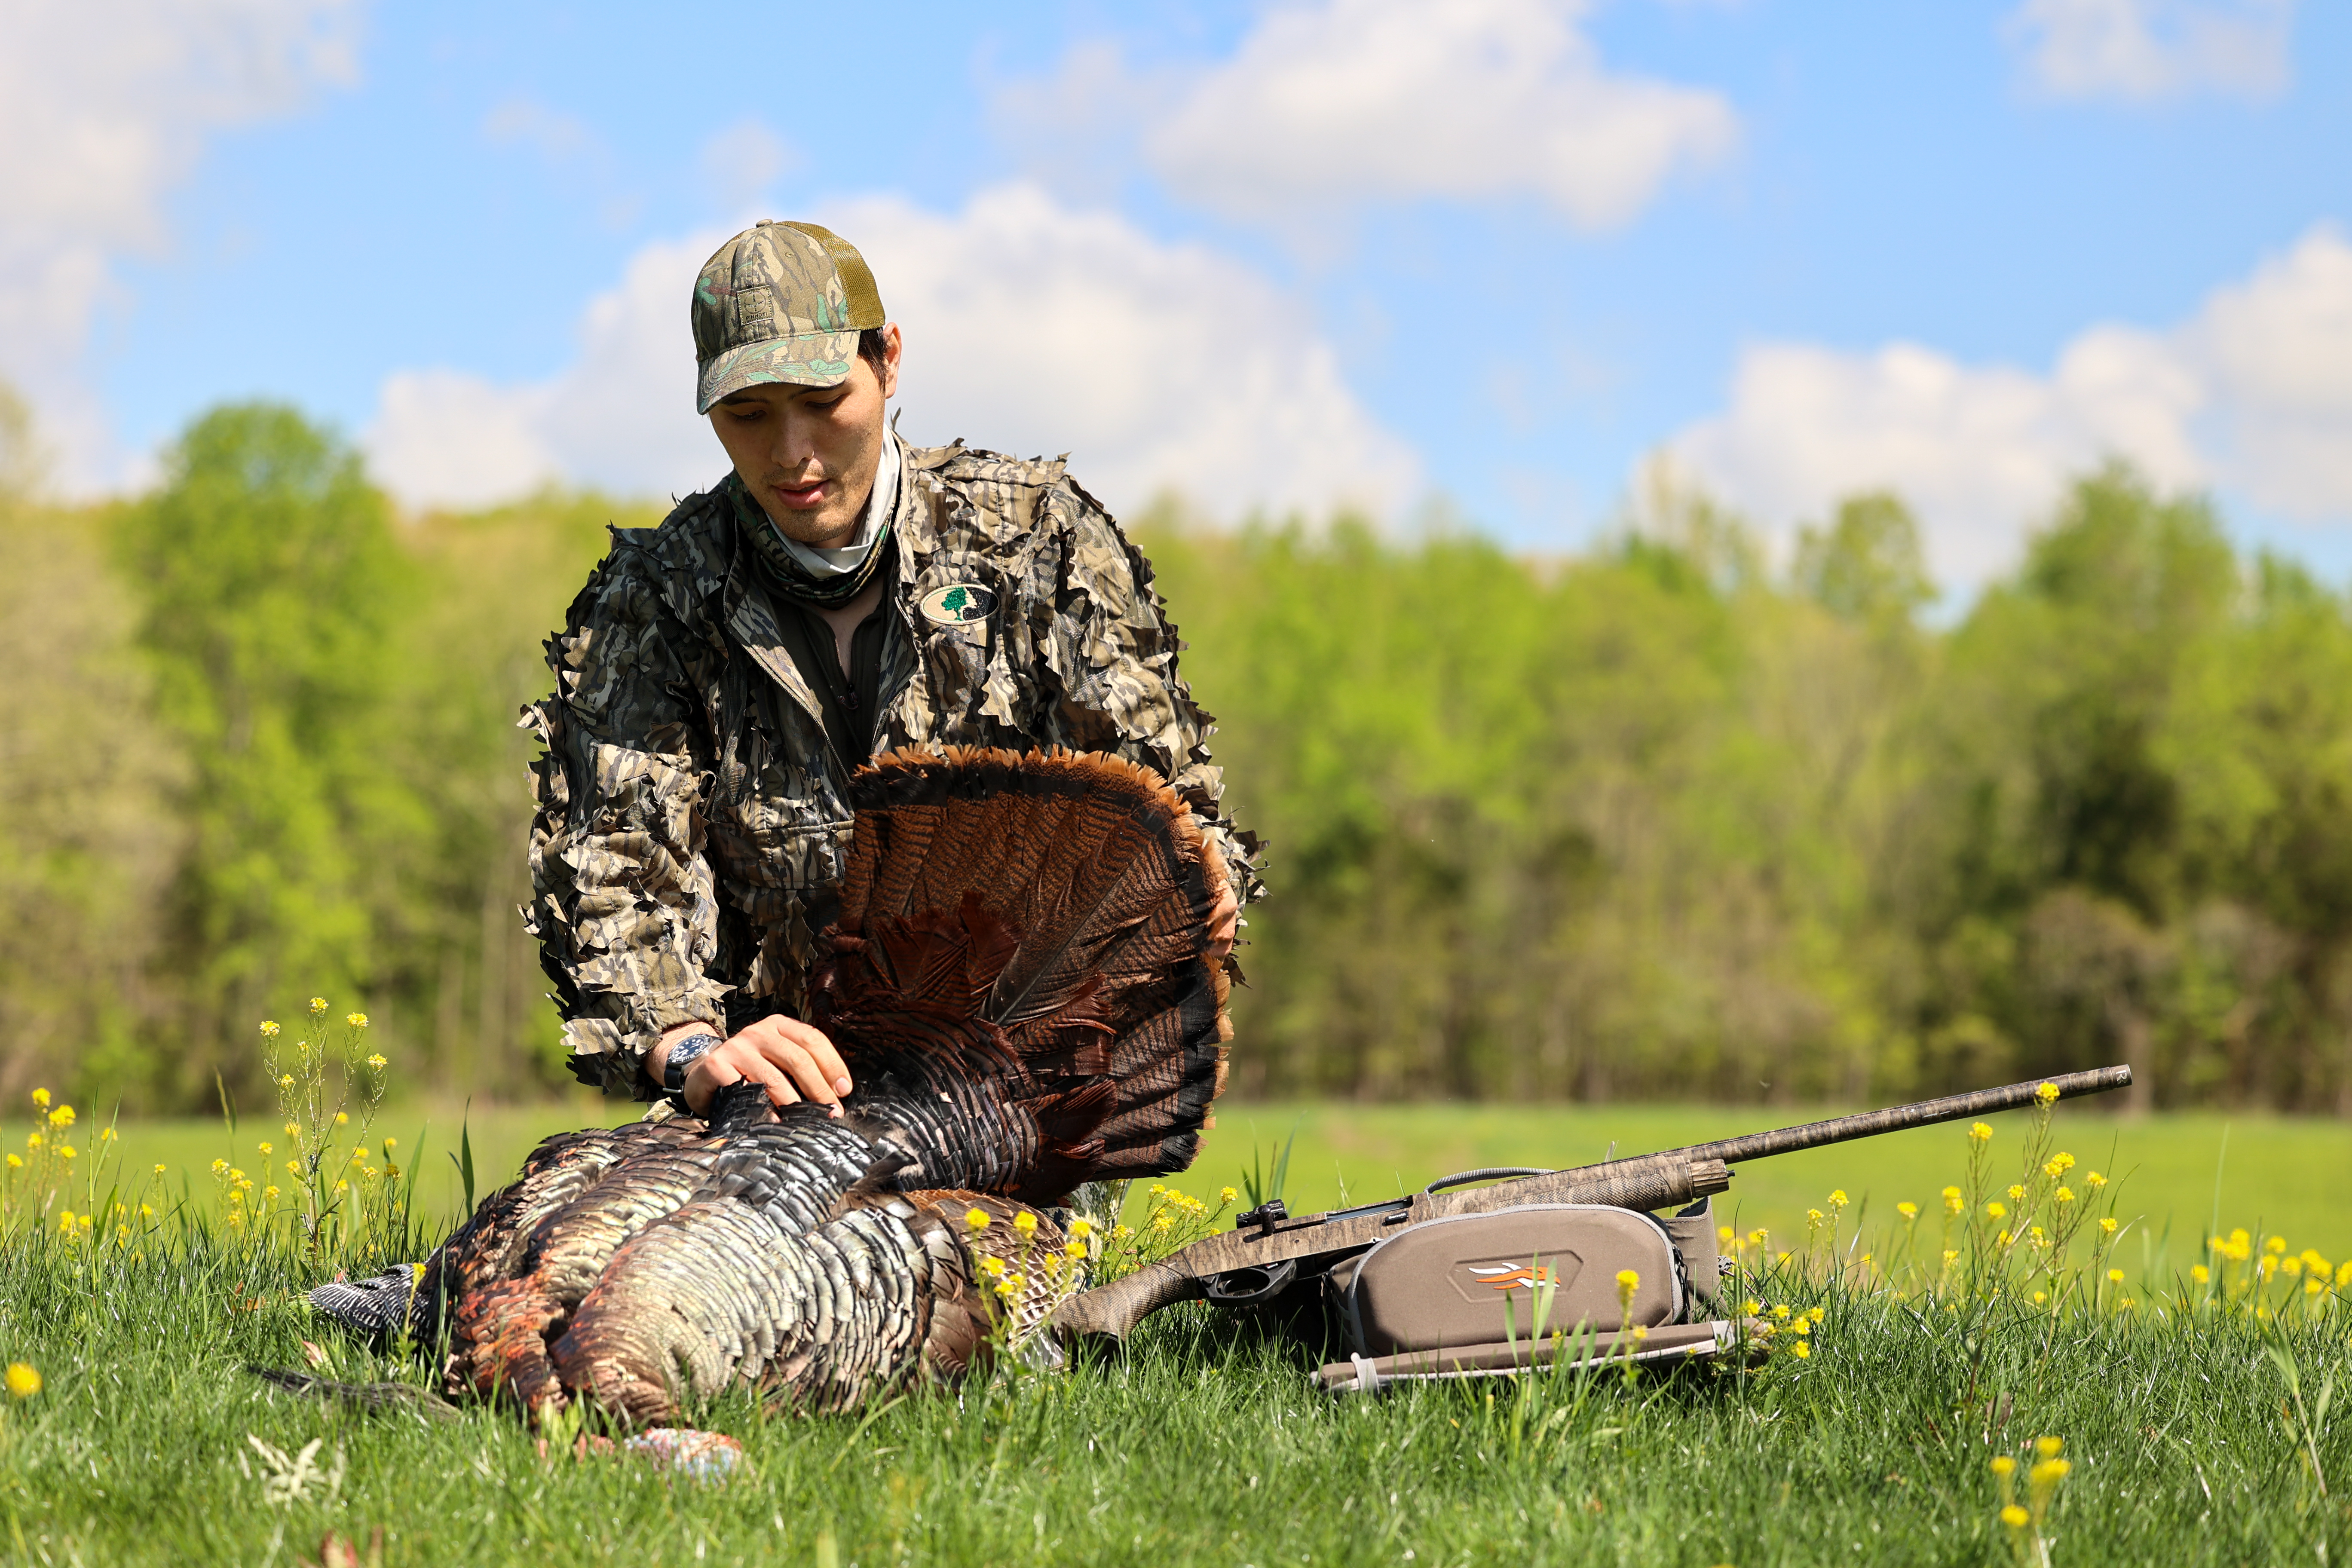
891 344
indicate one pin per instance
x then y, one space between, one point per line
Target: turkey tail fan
1050 910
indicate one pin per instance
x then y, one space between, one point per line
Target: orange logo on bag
1504 1277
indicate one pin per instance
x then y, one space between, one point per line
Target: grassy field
2270 1174
1207 1445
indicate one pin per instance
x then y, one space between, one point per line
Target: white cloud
104 107
744 159
1031 327
1330 105
2253 395
2146 50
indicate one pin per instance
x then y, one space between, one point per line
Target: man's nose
795 446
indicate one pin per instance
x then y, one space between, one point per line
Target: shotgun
1269 1248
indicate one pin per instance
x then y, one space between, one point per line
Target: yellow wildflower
2050 1448
1120 1233
1802 1326
2344 1274
2200 1273
1838 1199
41 1098
2014 1517
2047 1094
1803 1351
1752 1307
285 1081
343 1118
294 1168
2095 1180
63 1116
2063 1196
992 1266
1908 1211
1979 1132
1818 1314
1026 1223
976 1217
1226 1195
1781 1313
269 1193
2290 1267
1950 1257
318 1006
219 1165
105 1134
2003 1466
2313 1286
356 1020
269 1028
1724 1236
390 1145
2107 1224
2115 1276
1628 1282
2016 1194
1995 1210
2276 1245
293 1130
377 1061
1076 1249
1082 1228
66 1221
15 1162
264 1148
23 1380
66 1150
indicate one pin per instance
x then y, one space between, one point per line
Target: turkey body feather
1021 983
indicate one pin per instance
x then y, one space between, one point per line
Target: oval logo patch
958 604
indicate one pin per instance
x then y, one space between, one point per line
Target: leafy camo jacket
693 818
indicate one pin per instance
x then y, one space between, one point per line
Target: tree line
1659 820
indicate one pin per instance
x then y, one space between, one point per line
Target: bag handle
1484 1174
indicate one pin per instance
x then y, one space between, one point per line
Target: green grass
2276 1174
1207 1445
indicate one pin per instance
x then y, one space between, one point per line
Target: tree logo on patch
958 604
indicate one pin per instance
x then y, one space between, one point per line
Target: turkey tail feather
1056 906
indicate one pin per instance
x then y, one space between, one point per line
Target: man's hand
794 1061
1224 925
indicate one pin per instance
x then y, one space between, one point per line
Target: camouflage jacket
692 815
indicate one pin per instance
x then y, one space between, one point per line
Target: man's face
808 453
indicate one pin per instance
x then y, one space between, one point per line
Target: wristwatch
682 1057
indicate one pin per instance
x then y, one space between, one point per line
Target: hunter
839 593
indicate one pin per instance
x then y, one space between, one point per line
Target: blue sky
1504 252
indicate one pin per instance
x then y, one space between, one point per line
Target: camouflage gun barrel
1268 1248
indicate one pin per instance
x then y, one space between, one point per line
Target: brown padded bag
1471 1279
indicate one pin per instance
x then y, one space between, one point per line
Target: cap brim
805 359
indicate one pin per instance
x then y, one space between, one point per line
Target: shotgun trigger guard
1252 1286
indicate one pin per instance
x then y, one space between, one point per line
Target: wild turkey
1019 981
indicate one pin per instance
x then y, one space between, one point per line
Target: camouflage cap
781 302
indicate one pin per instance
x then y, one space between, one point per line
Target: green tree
271 586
